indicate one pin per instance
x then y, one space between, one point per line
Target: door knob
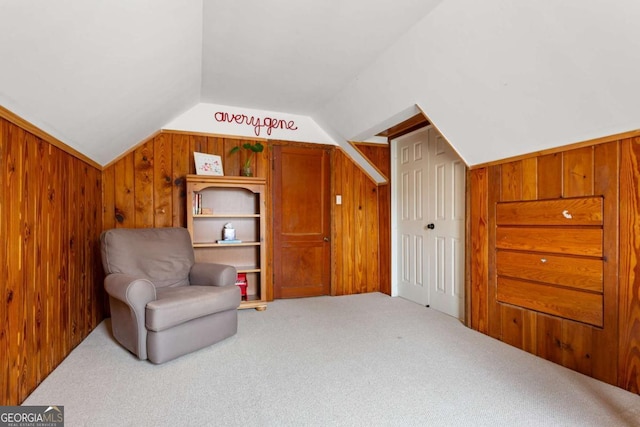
430 226
326 239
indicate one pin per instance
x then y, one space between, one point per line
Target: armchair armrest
211 274
131 290
129 297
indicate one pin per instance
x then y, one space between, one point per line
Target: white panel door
412 173
430 213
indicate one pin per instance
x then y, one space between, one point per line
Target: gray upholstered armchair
164 304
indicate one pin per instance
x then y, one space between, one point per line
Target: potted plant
253 149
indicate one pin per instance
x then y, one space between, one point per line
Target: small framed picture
208 164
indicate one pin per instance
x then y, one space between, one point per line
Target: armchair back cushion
164 256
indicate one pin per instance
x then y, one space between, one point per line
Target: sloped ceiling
293 56
497 77
100 75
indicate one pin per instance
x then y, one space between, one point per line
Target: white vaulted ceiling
293 56
497 77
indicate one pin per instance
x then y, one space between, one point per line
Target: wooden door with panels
301 222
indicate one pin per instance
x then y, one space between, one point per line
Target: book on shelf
197 203
229 241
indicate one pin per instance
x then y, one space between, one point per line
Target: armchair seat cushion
175 306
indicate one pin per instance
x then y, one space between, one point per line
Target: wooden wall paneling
99 300
65 239
362 236
72 277
511 181
384 221
162 181
87 294
578 172
215 145
232 162
58 228
360 239
143 188
49 276
384 237
529 192
512 327
12 178
612 352
93 280
578 167
180 158
30 241
337 248
17 293
124 192
85 291
108 198
478 254
577 343
80 287
379 237
380 156
371 235
493 196
348 228
606 182
267 169
629 317
549 338
529 179
197 143
548 328
90 293
549 176
149 187
261 161
4 270
46 283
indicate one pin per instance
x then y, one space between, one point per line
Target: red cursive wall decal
258 123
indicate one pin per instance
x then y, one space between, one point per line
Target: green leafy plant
252 148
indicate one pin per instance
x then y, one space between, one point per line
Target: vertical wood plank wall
357 252
380 157
146 188
611 353
629 349
51 293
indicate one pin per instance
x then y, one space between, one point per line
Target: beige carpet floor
361 360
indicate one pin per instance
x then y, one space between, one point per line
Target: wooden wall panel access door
301 222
